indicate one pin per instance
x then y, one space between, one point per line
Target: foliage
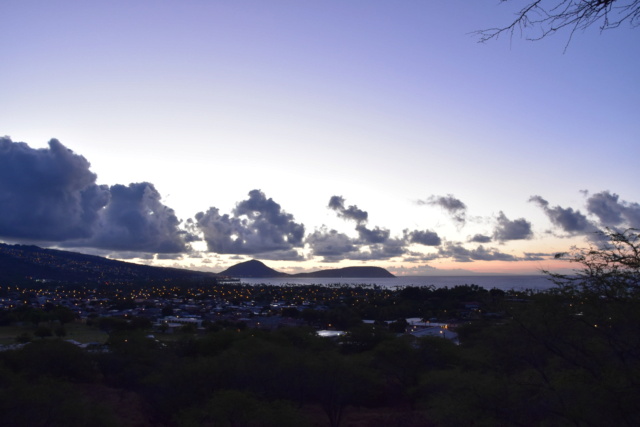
54 358
43 331
228 408
570 356
611 271
47 403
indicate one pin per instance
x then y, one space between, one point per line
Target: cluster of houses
171 314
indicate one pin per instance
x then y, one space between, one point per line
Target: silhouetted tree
609 272
23 338
339 382
64 314
43 331
567 356
236 408
399 326
540 18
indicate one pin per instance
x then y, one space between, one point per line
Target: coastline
503 282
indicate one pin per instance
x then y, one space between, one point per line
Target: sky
314 134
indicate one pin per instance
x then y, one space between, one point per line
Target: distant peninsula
349 272
28 263
257 269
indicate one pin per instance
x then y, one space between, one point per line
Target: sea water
503 282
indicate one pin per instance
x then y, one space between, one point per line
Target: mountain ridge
32 263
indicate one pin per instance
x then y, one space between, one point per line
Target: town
170 309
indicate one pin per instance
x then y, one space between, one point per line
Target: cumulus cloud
372 243
257 226
47 194
611 212
456 209
367 235
505 230
568 220
331 245
336 203
376 242
136 220
461 254
51 195
423 237
480 238
389 249
372 235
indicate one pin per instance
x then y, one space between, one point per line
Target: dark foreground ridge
32 263
256 269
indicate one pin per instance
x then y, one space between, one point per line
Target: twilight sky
313 134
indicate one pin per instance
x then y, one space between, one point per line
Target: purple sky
313 133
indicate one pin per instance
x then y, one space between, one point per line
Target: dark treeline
569 356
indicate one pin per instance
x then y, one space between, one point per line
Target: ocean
504 282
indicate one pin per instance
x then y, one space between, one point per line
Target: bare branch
541 18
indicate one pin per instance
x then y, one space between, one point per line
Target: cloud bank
51 196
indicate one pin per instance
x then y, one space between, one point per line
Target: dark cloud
423 237
606 207
142 256
375 243
169 256
456 209
480 238
611 212
136 220
331 245
51 195
372 244
257 226
505 230
336 203
568 220
284 255
461 254
367 235
420 257
47 194
536 256
372 236
391 248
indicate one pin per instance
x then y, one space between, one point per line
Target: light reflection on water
506 282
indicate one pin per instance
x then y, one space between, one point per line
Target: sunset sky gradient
313 134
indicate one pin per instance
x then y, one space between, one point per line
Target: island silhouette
257 269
